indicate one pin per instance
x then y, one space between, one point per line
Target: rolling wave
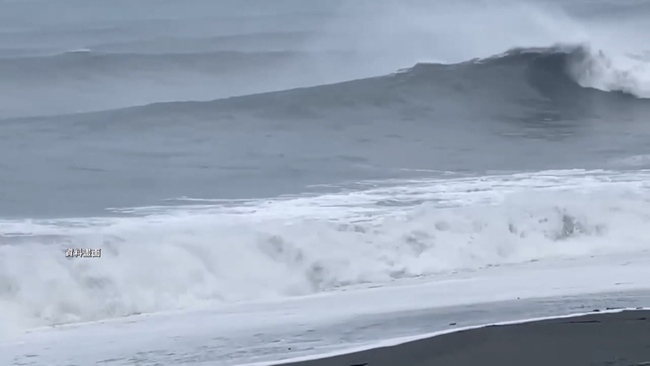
570 76
554 72
83 64
568 81
559 74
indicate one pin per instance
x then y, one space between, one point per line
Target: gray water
225 151
80 133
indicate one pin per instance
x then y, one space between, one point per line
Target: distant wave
249 42
258 42
81 64
565 81
560 74
562 82
563 64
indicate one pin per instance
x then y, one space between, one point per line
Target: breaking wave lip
164 259
628 74
588 68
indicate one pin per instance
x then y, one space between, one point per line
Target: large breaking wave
552 72
166 258
569 81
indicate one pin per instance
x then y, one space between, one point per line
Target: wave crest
589 68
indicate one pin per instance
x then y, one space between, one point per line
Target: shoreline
597 338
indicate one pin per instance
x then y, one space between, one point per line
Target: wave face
563 74
168 258
553 72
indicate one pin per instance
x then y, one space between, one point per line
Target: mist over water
322 144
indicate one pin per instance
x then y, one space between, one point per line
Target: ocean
217 153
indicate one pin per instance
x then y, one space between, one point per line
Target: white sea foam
613 72
165 259
316 325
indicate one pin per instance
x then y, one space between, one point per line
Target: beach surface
621 338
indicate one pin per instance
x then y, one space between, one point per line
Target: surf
307 245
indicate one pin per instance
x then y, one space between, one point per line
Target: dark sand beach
610 339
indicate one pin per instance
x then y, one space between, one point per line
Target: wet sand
610 339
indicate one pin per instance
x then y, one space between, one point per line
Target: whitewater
287 179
